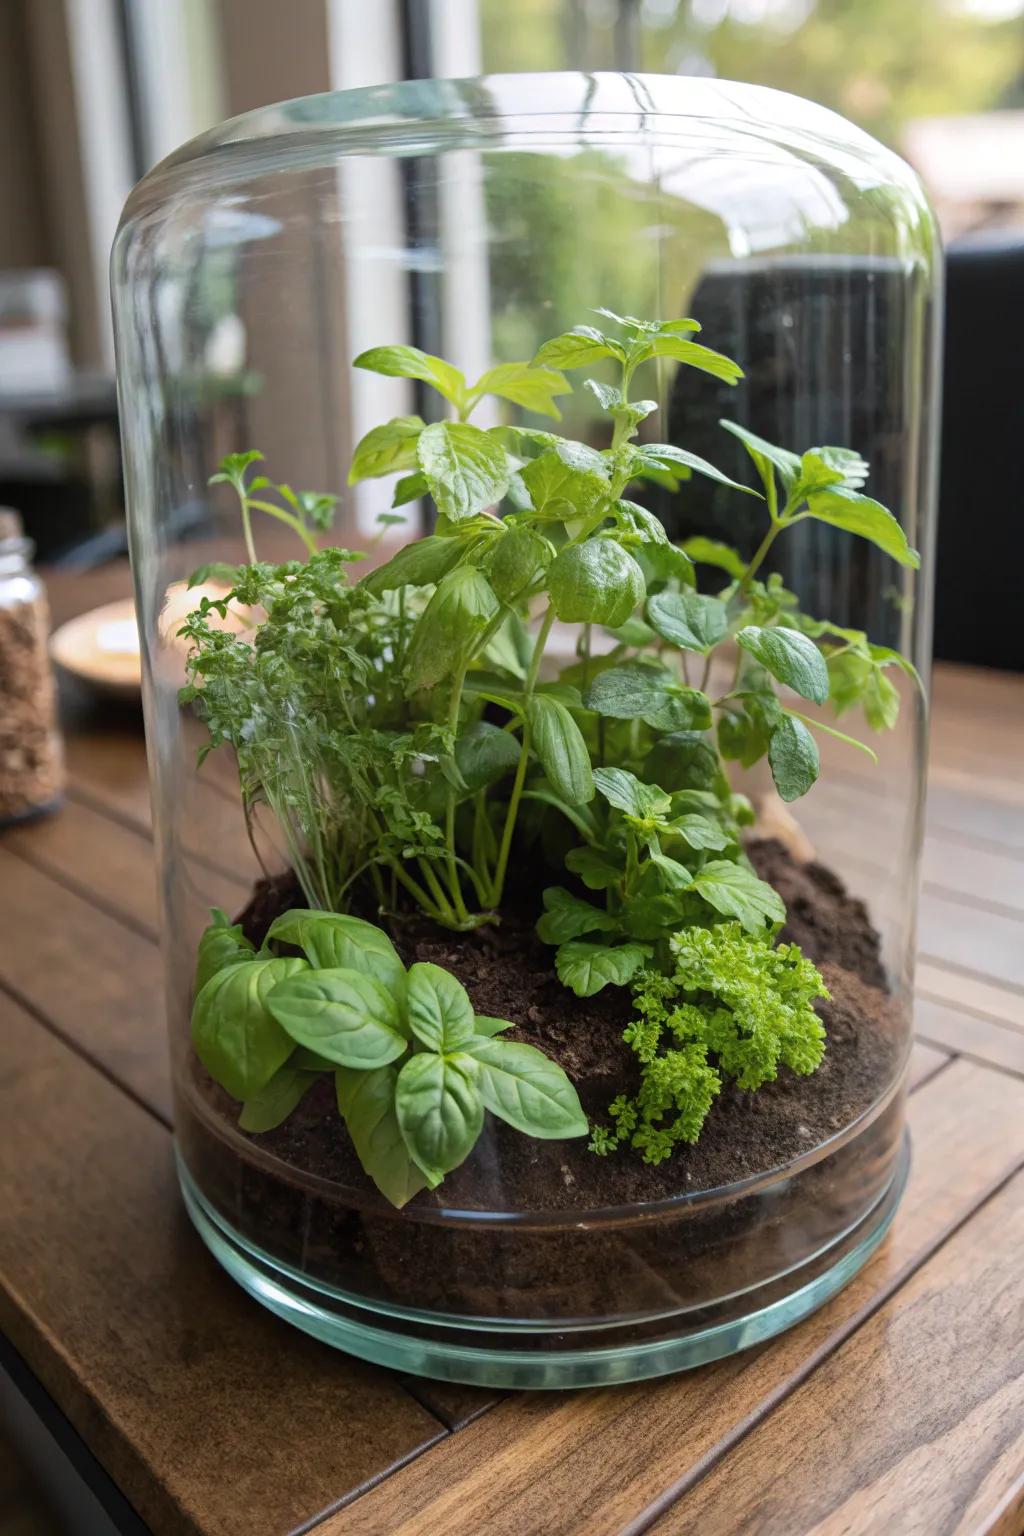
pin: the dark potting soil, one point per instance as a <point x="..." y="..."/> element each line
<point x="310" y="1204"/>
<point x="509" y="974"/>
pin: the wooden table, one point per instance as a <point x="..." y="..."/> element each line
<point x="897" y="1408"/>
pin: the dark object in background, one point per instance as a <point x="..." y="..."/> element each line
<point x="820" y="339"/>
<point x="981" y="491"/>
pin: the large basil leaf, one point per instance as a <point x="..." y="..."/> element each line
<point x="455" y="616"/>
<point x="236" y="1036"/>
<point x="386" y="449"/>
<point x="793" y="757"/>
<point x="410" y="363"/>
<point x="222" y="944"/>
<point x="466" y="470"/>
<point x="532" y="388"/>
<point x="845" y="508"/>
<point x="596" y="582"/>
<point x="366" y="1101"/>
<point x="735" y="891"/>
<point x="440" y="1112"/>
<point x="791" y="657"/>
<point x="521" y="1085"/>
<point x="439" y="1010"/>
<point x="276" y="1099"/>
<point x="342" y="1014"/>
<point x="558" y="743"/>
<point x="562" y="491"/>
<point x="331" y="939"/>
<point x="420" y="564"/>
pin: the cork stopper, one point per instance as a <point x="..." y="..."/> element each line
<point x="11" y="525"/>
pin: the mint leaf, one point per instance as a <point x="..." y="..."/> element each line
<point x="440" y="1112"/>
<point x="688" y="619"/>
<point x="523" y="1087"/>
<point x="466" y="470"/>
<point x="587" y="968"/>
<point x="386" y="449"/>
<point x="411" y="363"/>
<point x="235" y="1034"/>
<point x="793" y="757"/>
<point x="440" y="1013"/>
<point x="330" y="940"/>
<point x="569" y="917"/>
<point x="596" y="582"/>
<point x="366" y="1102"/>
<point x="735" y="891"/>
<point x="558" y="743"/>
<point x="342" y="1014"/>
<point x="790" y="657"/>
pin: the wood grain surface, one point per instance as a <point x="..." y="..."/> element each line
<point x="895" y="1409"/>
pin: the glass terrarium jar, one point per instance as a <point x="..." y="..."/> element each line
<point x="498" y="1063"/>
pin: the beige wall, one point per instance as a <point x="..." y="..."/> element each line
<point x="24" y="234"/>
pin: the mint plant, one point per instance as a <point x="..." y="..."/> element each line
<point x="414" y="732"/>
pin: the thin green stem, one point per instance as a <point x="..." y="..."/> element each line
<point x="505" y="846"/>
<point x="759" y="556"/>
<point x="250" y="547"/>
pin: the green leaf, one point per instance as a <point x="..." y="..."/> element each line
<point x="440" y="1112"/>
<point x="683" y="760"/>
<point x="634" y="519"/>
<point x="276" y="1100"/>
<point x="597" y="869"/>
<point x="484" y="754"/>
<point x="532" y="388"/>
<point x="586" y="968"/>
<point x="665" y="563"/>
<point x="766" y="456"/>
<point x="411" y="363"/>
<point x="386" y="449"/>
<point x="596" y="582"/>
<point x="688" y="620"/>
<point x="677" y="459"/>
<point x="310" y="1061"/>
<point x="522" y="1086"/>
<point x="578" y="348"/>
<point x="744" y="732"/>
<point x="466" y="469"/>
<point x="562" y="491"/>
<point x="790" y="657"/>
<point x="236" y="1037"/>
<point x="850" y="510"/>
<point x="222" y="944"/>
<point x="793" y="756"/>
<point x="559" y="744"/>
<point x="695" y="356"/>
<point x="343" y="1014"/>
<point x="459" y="610"/>
<point x="515" y="561"/>
<point x="331" y="940"/>
<point x="439" y="1010"/>
<point x="366" y="1102"/>
<point x="699" y="832"/>
<point x="569" y="917"/>
<point x="630" y="795"/>
<point x="712" y="552"/>
<point x="735" y="891"/>
<point x="821" y="467"/>
<point x="421" y="564"/>
<point x="485" y="1025"/>
<point x="638" y="690"/>
<point x="581" y="816"/>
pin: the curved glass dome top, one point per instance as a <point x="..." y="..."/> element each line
<point x="744" y="145"/>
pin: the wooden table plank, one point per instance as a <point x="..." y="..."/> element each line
<point x="970" y="1034"/>
<point x="982" y="943"/>
<point x="596" y="1461"/>
<point x="89" y="852"/>
<point x="957" y="990"/>
<point x="210" y="1414"/>
<point x="96" y="982"/>
<point x="847" y="1455"/>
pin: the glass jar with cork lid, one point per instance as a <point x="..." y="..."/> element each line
<point x="31" y="760"/>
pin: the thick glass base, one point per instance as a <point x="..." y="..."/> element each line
<point x="485" y="1352"/>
